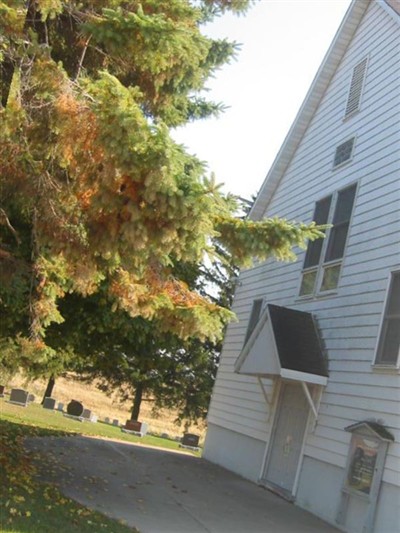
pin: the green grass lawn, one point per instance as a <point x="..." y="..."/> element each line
<point x="29" y="506"/>
<point x="35" y="415"/>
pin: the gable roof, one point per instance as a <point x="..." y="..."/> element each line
<point x="284" y="342"/>
<point x="333" y="57"/>
<point x="376" y="428"/>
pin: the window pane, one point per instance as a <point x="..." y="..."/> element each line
<point x="308" y="283"/>
<point x="389" y="342"/>
<point x="314" y="248"/>
<point x="389" y="352"/>
<point x="343" y="152"/>
<point x="337" y="241"/>
<point x="331" y="278"/>
<point x="254" y="316"/>
<point x="394" y="299"/>
<point x="313" y="253"/>
<point x="344" y="205"/>
<point x="321" y="212"/>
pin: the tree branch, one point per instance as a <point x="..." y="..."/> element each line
<point x="82" y="57"/>
<point x="10" y="226"/>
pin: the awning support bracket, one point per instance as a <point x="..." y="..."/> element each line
<point x="269" y="398"/>
<point x="265" y="393"/>
<point x="310" y="400"/>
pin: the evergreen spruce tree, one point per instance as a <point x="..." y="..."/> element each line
<point x="95" y="192"/>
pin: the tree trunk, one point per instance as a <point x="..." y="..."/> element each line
<point x="137" y="401"/>
<point x="7" y="68"/>
<point x="50" y="386"/>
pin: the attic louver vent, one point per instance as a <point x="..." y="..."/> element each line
<point x="356" y="85"/>
<point x="343" y="152"/>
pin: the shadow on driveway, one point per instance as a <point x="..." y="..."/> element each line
<point x="162" y="491"/>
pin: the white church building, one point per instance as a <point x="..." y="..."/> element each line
<point x="307" y="396"/>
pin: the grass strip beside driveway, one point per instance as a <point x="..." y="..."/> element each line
<point x="29" y="506"/>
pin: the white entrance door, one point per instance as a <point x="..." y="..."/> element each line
<point x="287" y="439"/>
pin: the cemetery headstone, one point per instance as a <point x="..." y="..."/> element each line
<point x="2" y="391"/>
<point x="19" y="397"/>
<point x="115" y="422"/>
<point x="49" y="403"/>
<point x="60" y="406"/>
<point x="75" y="408"/>
<point x="89" y="416"/>
<point x="31" y="398"/>
<point x="87" y="413"/>
<point x="107" y="420"/>
<point x="135" y="427"/>
<point x="189" y="440"/>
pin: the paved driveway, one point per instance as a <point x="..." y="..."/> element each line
<point x="161" y="491"/>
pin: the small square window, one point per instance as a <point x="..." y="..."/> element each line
<point x="343" y="152"/>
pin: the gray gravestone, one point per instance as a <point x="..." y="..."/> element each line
<point x="2" y="391"/>
<point x="190" y="440"/>
<point x="31" y="398"/>
<point x="87" y="413"/>
<point x="75" y="408"/>
<point x="89" y="416"/>
<point x="19" y="397"/>
<point x="107" y="420"/>
<point x="115" y="422"/>
<point x="60" y="406"/>
<point x="49" y="403"/>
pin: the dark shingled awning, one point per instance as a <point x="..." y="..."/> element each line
<point x="284" y="342"/>
<point x="297" y="340"/>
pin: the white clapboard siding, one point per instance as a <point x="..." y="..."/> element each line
<point x="348" y="320"/>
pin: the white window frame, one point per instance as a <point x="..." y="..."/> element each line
<point x="322" y="264"/>
<point x="350" y="159"/>
<point x="378" y="365"/>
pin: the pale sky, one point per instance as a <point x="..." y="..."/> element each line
<point x="283" y="45"/>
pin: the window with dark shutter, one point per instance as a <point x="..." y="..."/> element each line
<point x="341" y="221"/>
<point x="254" y="316"/>
<point x="356" y="87"/>
<point x="389" y="341"/>
<point x="314" y="248"/>
<point x="343" y="152"/>
<point x="321" y="274"/>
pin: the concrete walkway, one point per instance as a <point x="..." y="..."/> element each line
<point x="160" y="491"/>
